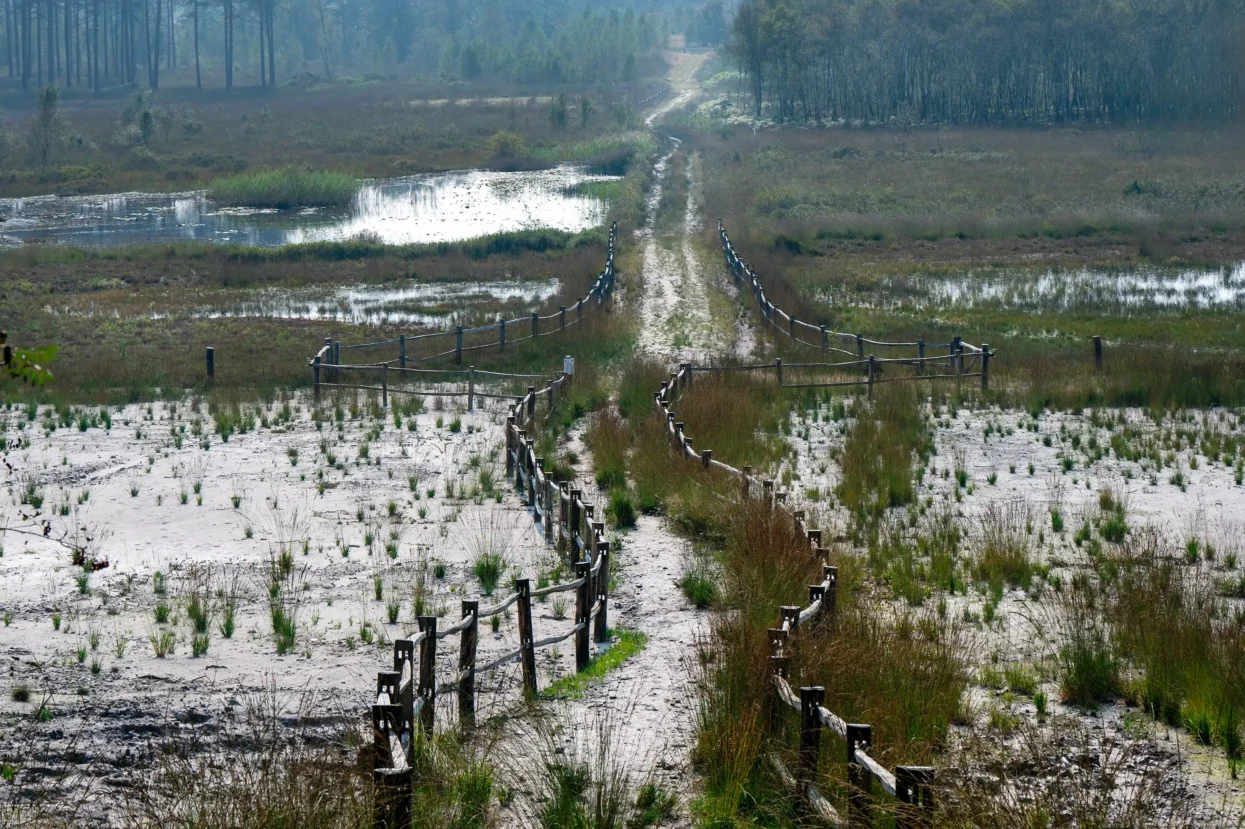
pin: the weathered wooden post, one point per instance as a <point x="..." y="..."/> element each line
<point x="1097" y="352"/>
<point x="832" y="591"/>
<point x="778" y="368"/>
<point x="526" y="639"/>
<point x="789" y="617"/>
<point x="530" y="456"/>
<point x="574" y="520"/>
<point x="510" y="447"/>
<point x="458" y="345"/>
<point x="779" y="662"/>
<point x="467" y="663"/>
<point x="502" y="339"/>
<point x="920" y="357"/>
<point x="583" y="608"/>
<point x="315" y="375"/>
<point x="959" y="355"/>
<point x="531" y="402"/>
<point x="858" y="736"/>
<point x="535" y="325"/>
<point x="768" y="487"/>
<point x="392" y="806"/>
<point x="912" y="788"/>
<point x="810" y="735"/>
<point x="872" y="367"/>
<point x="860" y="347"/>
<point x="471" y="388"/>
<point x="985" y="367"/>
<point x="601" y="629"/>
<point x="791" y="325"/>
<point x="427" y="672"/>
<point x="337" y="353"/>
<point x="211" y="364"/>
<point x="562" y="318"/>
<point x="747" y="481"/>
<point x="579" y="311"/>
<point x="549" y="488"/>
<point x="706" y="457"/>
<point x="401" y="351"/>
<point x="384" y="386"/>
<point x="825" y="339"/>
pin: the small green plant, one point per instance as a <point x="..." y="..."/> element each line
<point x="163" y="643"/>
<point x="1040" y="702"/>
<point x="199" y="645"/>
<point x="162" y="613"/>
<point x="392" y="608"/>
<point x="488" y="568"/>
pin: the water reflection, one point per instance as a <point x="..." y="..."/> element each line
<point x="1091" y="290"/>
<point x="433" y="208"/>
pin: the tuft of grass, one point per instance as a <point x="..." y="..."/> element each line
<point x="285" y="188"/>
<point x="488" y="567"/>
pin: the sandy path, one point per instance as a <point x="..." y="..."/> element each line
<point x="648" y="704"/>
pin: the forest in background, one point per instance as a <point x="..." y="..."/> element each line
<point x="980" y="61"/>
<point x="100" y="45"/>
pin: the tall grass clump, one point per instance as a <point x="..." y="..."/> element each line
<point x="1185" y="642"/>
<point x="1005" y="557"/>
<point x="607" y="437"/>
<point x="285" y="188"/>
<point x="879" y="456"/>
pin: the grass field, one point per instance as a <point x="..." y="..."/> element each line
<point x="367" y="130"/>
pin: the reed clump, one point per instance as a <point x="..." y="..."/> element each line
<point x="285" y="188"/>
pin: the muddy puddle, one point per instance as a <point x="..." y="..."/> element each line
<point x="443" y="207"/>
<point x="417" y="304"/>
<point x="1097" y="290"/>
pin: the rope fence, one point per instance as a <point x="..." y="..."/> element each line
<point x="328" y="362"/>
<point x="960" y="360"/>
<point x="406" y="696"/>
<point x="909" y="785"/>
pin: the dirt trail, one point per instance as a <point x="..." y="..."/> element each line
<point x="685" y="314"/>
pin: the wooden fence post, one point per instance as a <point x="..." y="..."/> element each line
<point x="791" y="326"/>
<point x="959" y="355"/>
<point x="985" y="367"/>
<point x="315" y="375"/>
<point x="392" y="806"/>
<point x="401" y="351"/>
<point x="1097" y="352"/>
<point x="810" y="735"/>
<point x="211" y="364"/>
<point x="825" y="339"/>
<point x="510" y="447"/>
<point x="583" y="608"/>
<point x="384" y="386"/>
<point x="872" y="368"/>
<point x="337" y="354"/>
<point x="831" y="574"/>
<point x="706" y="457"/>
<point x="858" y="736"/>
<point x="579" y="311"/>
<point x="562" y="318"/>
<point x="860" y="347"/>
<point x="920" y="356"/>
<point x="467" y="663"/>
<point x="912" y="788"/>
<point x="458" y="345"/>
<point x="548" y="503"/>
<point x="778" y="368"/>
<point x="526" y="638"/>
<point x="601" y="629"/>
<point x="535" y="325"/>
<point x="502" y="339"/>
<point x="471" y="388"/>
<point x="428" y="673"/>
<point x="531" y="402"/>
<point x="747" y="481"/>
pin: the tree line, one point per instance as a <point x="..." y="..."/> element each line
<point x="98" y="44"/>
<point x="984" y="61"/>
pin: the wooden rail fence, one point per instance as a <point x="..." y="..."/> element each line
<point x="909" y="785"/>
<point x="406" y="696"/>
<point x="961" y="360"/>
<point x="328" y="369"/>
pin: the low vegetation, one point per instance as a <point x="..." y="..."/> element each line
<point x="285" y="188"/>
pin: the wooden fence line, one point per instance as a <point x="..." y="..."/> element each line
<point x="909" y="785"/>
<point x="406" y="696"/>
<point x="960" y="355"/>
<point x="329" y="357"/>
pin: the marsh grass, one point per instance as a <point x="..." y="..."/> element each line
<point x="285" y="188"/>
<point x="885" y="444"/>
